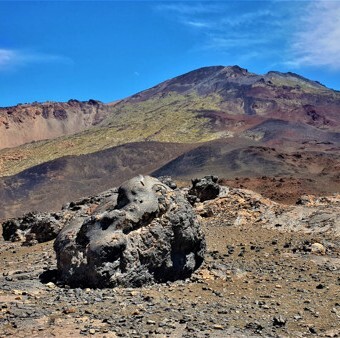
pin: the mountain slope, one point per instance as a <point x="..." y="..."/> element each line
<point x="203" y="105"/>
<point x="26" y="123"/>
<point x="49" y="185"/>
<point x="229" y="161"/>
<point x="232" y="91"/>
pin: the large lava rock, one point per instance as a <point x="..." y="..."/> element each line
<point x="150" y="234"/>
<point x="204" y="189"/>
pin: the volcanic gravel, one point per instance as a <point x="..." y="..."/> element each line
<point x="254" y="282"/>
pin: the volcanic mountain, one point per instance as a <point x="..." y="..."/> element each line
<point x="225" y="120"/>
<point x="205" y="104"/>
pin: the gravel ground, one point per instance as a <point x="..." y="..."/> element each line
<point x="254" y="282"/>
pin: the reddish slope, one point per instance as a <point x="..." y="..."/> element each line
<point x="25" y="123"/>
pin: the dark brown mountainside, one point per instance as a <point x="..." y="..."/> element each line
<point x="240" y="162"/>
<point x="51" y="184"/>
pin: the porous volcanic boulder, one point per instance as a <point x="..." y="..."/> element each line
<point x="150" y="234"/>
<point x="32" y="228"/>
<point x="203" y="189"/>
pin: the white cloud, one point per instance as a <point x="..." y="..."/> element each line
<point x="223" y="20"/>
<point x="6" y="57"/>
<point x="317" y="40"/>
<point x="264" y="16"/>
<point x="224" y="25"/>
<point x="190" y="8"/>
<point x="11" y="58"/>
<point x="216" y="42"/>
<point x="197" y="24"/>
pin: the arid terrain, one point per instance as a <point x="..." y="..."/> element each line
<point x="259" y="278"/>
<point x="271" y="266"/>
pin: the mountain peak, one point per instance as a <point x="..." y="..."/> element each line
<point x="293" y="77"/>
<point x="201" y="74"/>
<point x="223" y="79"/>
<point x="235" y="70"/>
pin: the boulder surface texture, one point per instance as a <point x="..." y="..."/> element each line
<point x="204" y="189"/>
<point x="149" y="234"/>
<point x="32" y="228"/>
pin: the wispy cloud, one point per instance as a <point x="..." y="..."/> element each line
<point x="190" y="8"/>
<point x="198" y="24"/>
<point x="291" y="34"/>
<point x="265" y="16"/>
<point x="317" y="40"/>
<point x="228" y="25"/>
<point x="216" y="42"/>
<point x="6" y="57"/>
<point x="222" y="21"/>
<point x="12" y="58"/>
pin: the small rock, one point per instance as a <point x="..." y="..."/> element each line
<point x="318" y="249"/>
<point x="279" y="321"/>
<point x="312" y="330"/>
<point x="255" y="327"/>
<point x="50" y="285"/>
<point x="69" y="310"/>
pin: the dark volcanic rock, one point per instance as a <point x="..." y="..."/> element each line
<point x="167" y="180"/>
<point x="150" y="234"/>
<point x="36" y="227"/>
<point x="32" y="227"/>
<point x="204" y="189"/>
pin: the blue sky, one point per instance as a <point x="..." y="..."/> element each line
<point x="107" y="50"/>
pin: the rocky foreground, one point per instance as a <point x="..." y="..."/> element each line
<point x="270" y="270"/>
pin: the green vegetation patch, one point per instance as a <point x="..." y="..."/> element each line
<point x="172" y="118"/>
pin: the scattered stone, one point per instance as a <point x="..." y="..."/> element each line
<point x="50" y="285"/>
<point x="279" y="321"/>
<point x="312" y="330"/>
<point x="255" y="327"/>
<point x="318" y="249"/>
<point x="320" y="286"/>
<point x="191" y="305"/>
<point x="69" y="310"/>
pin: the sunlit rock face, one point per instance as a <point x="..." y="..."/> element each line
<point x="148" y="234"/>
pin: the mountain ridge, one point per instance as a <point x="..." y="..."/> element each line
<point x="26" y="123"/>
<point x="231" y="89"/>
<point x="227" y="109"/>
